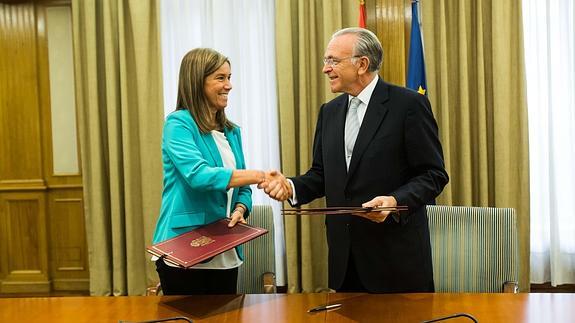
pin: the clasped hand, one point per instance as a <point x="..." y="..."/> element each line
<point x="276" y="186"/>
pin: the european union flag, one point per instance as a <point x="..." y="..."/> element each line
<point x="416" y="66"/>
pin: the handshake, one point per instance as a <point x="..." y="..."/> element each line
<point x="276" y="185"/>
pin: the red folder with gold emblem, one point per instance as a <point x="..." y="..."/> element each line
<point x="205" y="242"/>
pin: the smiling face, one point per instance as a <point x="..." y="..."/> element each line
<point x="217" y="86"/>
<point x="343" y="74"/>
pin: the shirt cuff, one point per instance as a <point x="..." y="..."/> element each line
<point x="293" y="199"/>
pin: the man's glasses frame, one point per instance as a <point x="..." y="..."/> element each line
<point x="333" y="61"/>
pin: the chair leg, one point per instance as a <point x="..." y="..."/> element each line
<point x="269" y="280"/>
<point x="510" y="287"/>
<point x="154" y="290"/>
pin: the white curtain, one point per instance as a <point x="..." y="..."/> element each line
<point x="242" y="30"/>
<point x="550" y="68"/>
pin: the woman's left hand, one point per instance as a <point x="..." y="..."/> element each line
<point x="237" y="216"/>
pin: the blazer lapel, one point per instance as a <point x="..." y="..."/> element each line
<point x="213" y="149"/>
<point x="374" y="115"/>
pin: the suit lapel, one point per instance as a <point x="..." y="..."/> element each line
<point x="338" y="123"/>
<point x="374" y="115"/>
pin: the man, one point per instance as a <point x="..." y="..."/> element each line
<point x="396" y="159"/>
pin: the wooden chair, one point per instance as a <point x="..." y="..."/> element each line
<point x="474" y="249"/>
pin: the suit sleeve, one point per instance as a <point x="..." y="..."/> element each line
<point x="424" y="156"/>
<point x="180" y="145"/>
<point x="311" y="185"/>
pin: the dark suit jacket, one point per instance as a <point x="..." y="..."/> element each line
<point x="397" y="153"/>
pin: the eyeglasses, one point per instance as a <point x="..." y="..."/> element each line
<point x="332" y="61"/>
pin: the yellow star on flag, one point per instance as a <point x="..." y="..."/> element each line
<point x="421" y="90"/>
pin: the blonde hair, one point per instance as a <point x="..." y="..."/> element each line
<point x="196" y="65"/>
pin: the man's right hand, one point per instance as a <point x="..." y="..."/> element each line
<point x="276" y="186"/>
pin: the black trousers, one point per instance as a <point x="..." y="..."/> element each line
<point x="352" y="283"/>
<point x="179" y="281"/>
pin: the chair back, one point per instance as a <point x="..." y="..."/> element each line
<point x="474" y="249"/>
<point x="259" y="254"/>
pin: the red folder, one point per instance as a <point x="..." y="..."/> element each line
<point x="205" y="242"/>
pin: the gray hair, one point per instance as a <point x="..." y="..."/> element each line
<point x="367" y="44"/>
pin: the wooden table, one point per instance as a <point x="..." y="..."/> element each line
<point x="293" y="308"/>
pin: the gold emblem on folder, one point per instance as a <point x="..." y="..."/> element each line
<point x="201" y="241"/>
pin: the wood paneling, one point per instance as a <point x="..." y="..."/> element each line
<point x="42" y="231"/>
<point x="20" y="131"/>
<point x="52" y="180"/>
<point x="68" y="255"/>
<point x="24" y="244"/>
<point x="390" y="20"/>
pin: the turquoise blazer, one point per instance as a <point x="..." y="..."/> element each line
<point x="195" y="180"/>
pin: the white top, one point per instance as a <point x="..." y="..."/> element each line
<point x="228" y="259"/>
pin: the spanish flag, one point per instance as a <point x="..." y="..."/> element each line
<point x="362" y="15"/>
<point x="416" y="66"/>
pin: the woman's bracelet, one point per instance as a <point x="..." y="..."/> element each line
<point x="240" y="206"/>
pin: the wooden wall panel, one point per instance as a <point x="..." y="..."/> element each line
<point x="20" y="146"/>
<point x="68" y="254"/>
<point x="24" y="242"/>
<point x="52" y="180"/>
<point x="390" y="20"/>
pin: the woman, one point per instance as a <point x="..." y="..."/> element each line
<point x="204" y="175"/>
